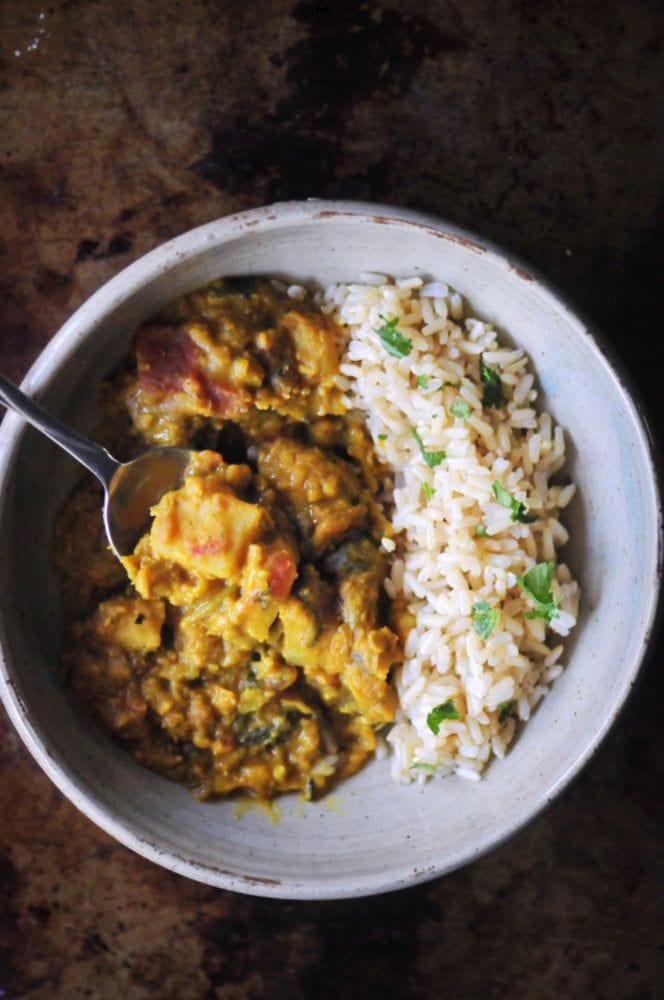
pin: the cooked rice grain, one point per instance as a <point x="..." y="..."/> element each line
<point x="440" y="564"/>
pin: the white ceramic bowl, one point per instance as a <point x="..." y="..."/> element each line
<point x="373" y="835"/>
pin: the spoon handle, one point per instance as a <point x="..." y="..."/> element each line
<point x="92" y="456"/>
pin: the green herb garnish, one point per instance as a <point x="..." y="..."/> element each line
<point x="394" y="342"/>
<point x="432" y="458"/>
<point x="460" y="408"/>
<point x="536" y="585"/>
<point x="493" y="387"/>
<point x="428" y="491"/>
<point x="419" y="765"/>
<point x="506" y="709"/>
<point x="484" y="619"/>
<point x="441" y="712"/>
<point x="481" y="531"/>
<point x="423" y="382"/>
<point x="517" y="508"/>
<point x="382" y="437"/>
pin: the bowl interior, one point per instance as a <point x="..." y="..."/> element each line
<point x="371" y="834"/>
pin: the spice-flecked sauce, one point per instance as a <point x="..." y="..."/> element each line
<point x="247" y="643"/>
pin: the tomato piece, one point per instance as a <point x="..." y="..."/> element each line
<point x="281" y="573"/>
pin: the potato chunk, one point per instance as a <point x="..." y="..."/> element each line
<point x="203" y="529"/>
<point x="130" y="622"/>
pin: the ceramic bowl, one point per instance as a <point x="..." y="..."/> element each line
<point x="371" y="835"/>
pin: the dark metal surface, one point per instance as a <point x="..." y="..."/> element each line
<point x="535" y="124"/>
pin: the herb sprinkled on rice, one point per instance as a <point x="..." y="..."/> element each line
<point x="452" y="413"/>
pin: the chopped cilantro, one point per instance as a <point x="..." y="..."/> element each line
<point x="481" y="531"/>
<point x="419" y="765"/>
<point x="536" y="585"/>
<point x="394" y="342"/>
<point x="423" y="382"/>
<point x="441" y="712"/>
<point x="460" y="408"/>
<point x="506" y="709"/>
<point x="382" y="437"/>
<point x="484" y="619"/>
<point x="432" y="458"/>
<point x="517" y="508"/>
<point x="428" y="491"/>
<point x="493" y="387"/>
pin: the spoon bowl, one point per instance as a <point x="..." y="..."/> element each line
<point x="134" y="488"/>
<point x="130" y="488"/>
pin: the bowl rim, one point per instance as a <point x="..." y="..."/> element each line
<point x="81" y="325"/>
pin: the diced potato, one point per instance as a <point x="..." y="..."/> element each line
<point x="130" y="622"/>
<point x="204" y="528"/>
<point x="301" y="630"/>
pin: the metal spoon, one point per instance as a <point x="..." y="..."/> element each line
<point x="130" y="488"/>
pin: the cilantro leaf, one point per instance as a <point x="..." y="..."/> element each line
<point x="423" y="382"/>
<point x="493" y="387"/>
<point x="517" y="508"/>
<point x="484" y="619"/>
<point x="428" y="491"/>
<point x="394" y="342"/>
<point x="419" y="765"/>
<point x="441" y="712"/>
<point x="382" y="437"/>
<point x="536" y="585"/>
<point x="460" y="408"/>
<point x="501" y="495"/>
<point x="432" y="458"/>
<point x="481" y="531"/>
<point x="506" y="709"/>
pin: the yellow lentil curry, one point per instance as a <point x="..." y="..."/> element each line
<point x="247" y="642"/>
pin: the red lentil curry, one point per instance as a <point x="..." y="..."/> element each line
<point x="247" y="643"/>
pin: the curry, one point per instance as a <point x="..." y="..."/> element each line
<point x="247" y="643"/>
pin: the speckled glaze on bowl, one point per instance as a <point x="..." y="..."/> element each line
<point x="373" y="835"/>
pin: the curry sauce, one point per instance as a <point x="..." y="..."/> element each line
<point x="247" y="643"/>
